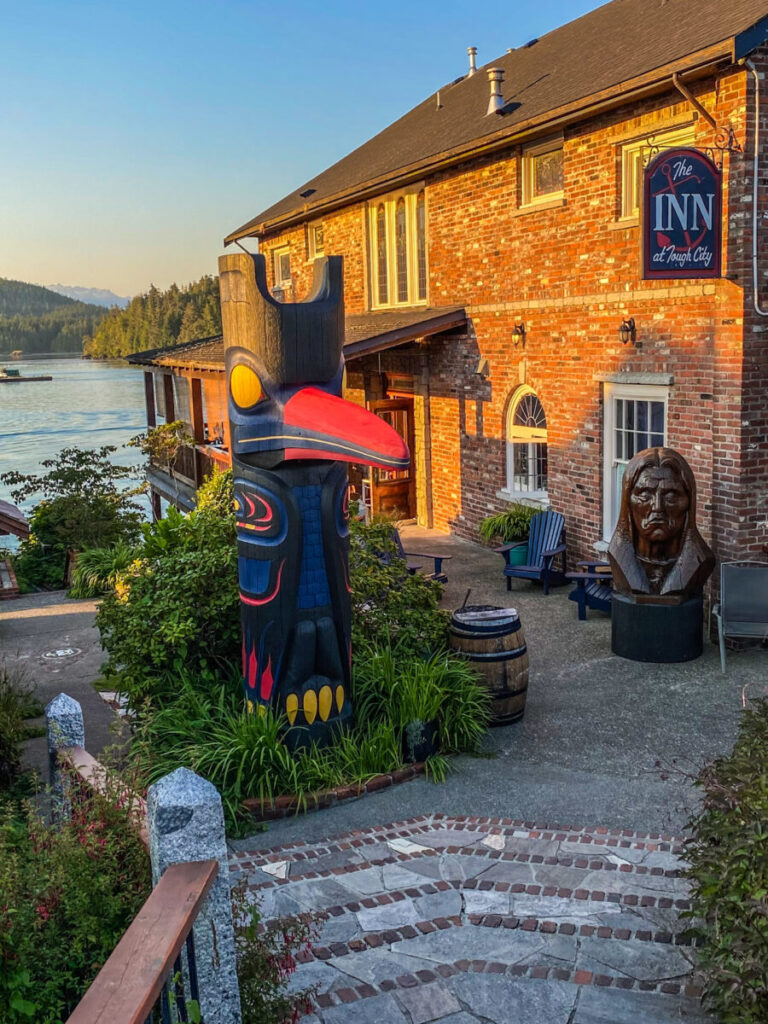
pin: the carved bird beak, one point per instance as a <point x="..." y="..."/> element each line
<point x="323" y="426"/>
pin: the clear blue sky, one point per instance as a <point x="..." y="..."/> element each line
<point x="135" y="135"/>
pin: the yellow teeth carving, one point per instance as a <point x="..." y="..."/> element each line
<point x="325" y="701"/>
<point x="339" y="698"/>
<point x="249" y="705"/>
<point x="310" y="706"/>
<point x="291" y="707"/>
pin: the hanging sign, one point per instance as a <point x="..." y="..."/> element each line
<point x="682" y="222"/>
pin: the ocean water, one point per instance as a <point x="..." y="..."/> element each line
<point x="86" y="405"/>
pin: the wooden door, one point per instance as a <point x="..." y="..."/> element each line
<point x="394" y="491"/>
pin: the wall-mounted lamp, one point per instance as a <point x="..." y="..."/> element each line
<point x="627" y="331"/>
<point x="518" y="333"/>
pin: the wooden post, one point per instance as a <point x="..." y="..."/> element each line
<point x="196" y="402"/>
<point x="170" y="405"/>
<point x="149" y="398"/>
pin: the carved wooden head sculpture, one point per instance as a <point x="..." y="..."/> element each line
<point x="292" y="434"/>
<point x="656" y="551"/>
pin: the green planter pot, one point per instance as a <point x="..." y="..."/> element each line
<point x="519" y="556"/>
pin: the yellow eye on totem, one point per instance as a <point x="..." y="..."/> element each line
<point x="245" y="386"/>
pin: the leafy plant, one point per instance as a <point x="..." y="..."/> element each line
<point x="266" y="958"/>
<point x="68" y="894"/>
<point x="83" y="505"/>
<point x="163" y="443"/>
<point x="728" y="858"/>
<point x="176" y="606"/>
<point x="97" y="569"/>
<point x="388" y="602"/>
<point x="17" y="703"/>
<point x="513" y="524"/>
<point x="390" y="683"/>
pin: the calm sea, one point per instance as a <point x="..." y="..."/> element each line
<point x="86" y="405"/>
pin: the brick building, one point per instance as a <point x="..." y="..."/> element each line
<point x="491" y="239"/>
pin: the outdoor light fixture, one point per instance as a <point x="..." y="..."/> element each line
<point x="519" y="330"/>
<point x="627" y="330"/>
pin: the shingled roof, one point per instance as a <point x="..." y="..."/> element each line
<point x="365" y="333"/>
<point x="609" y="54"/>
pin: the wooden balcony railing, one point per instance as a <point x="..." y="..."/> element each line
<point x="147" y="962"/>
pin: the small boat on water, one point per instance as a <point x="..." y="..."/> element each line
<point x="9" y="375"/>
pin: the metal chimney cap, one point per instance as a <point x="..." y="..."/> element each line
<point x="472" y="51"/>
<point x="496" y="101"/>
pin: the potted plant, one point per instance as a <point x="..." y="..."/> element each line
<point x="511" y="526"/>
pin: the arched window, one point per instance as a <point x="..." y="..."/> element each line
<point x="381" y="254"/>
<point x="402" y="251"/>
<point x="527" y="445"/>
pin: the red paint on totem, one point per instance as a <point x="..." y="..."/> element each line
<point x="257" y="601"/>
<point x="252" y="667"/>
<point x="267" y="681"/>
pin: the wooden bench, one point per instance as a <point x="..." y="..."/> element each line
<point x="8" y="585"/>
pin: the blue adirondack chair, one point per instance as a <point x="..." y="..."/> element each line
<point x="593" y="587"/>
<point x="545" y="542"/>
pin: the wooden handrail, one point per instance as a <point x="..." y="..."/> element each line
<point x="130" y="982"/>
<point x="93" y="774"/>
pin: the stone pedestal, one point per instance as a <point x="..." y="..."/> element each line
<point x="659" y="633"/>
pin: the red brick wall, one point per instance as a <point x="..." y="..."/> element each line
<point x="571" y="273"/>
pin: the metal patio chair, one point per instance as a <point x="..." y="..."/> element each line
<point x="742" y="610"/>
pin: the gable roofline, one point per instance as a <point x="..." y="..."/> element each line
<point x="693" y="66"/>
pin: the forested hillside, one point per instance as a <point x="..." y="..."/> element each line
<point x="17" y="298"/>
<point x="35" y="319"/>
<point x="159" y="319"/>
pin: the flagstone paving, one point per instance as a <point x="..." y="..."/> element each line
<point x="466" y="919"/>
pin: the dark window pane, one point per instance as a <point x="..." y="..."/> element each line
<point x="642" y="415"/>
<point x="421" y="243"/>
<point x="401" y="248"/>
<point x="657" y="417"/>
<point x="381" y="254"/>
<point x="548" y="173"/>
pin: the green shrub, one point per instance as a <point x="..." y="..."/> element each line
<point x="97" y="569"/>
<point x="729" y="873"/>
<point x="82" y="506"/>
<point x="17" y="703"/>
<point x="176" y="606"/>
<point x="387" y="602"/>
<point x="68" y="894"/>
<point x="513" y="524"/>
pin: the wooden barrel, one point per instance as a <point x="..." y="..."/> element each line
<point x="493" y="641"/>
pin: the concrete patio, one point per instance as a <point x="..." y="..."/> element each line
<point x="594" y="728"/>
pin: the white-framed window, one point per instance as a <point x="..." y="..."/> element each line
<point x="542" y="172"/>
<point x="281" y="262"/>
<point x="397" y="229"/>
<point x="315" y="241"/>
<point x="635" y="154"/>
<point x="634" y="418"/>
<point x="526" y="446"/>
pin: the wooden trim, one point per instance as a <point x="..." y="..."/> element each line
<point x="170" y="405"/>
<point x="196" y="403"/>
<point x="149" y="398"/>
<point x="130" y="982"/>
<point x="700" y="64"/>
<point x="93" y="774"/>
<point x="401" y="335"/>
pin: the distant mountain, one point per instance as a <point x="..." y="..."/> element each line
<point x="17" y="298"/>
<point x="97" y="296"/>
<point x="36" y="319"/>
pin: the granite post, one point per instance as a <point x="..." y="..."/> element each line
<point x="186" y="824"/>
<point x="64" y="722"/>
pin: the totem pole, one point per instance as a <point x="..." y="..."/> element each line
<point x="292" y="435"/>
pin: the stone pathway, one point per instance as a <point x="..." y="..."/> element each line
<point x="485" y="919"/>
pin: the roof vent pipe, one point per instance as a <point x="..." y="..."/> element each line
<point x="472" y="51"/>
<point x="496" y="102"/>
